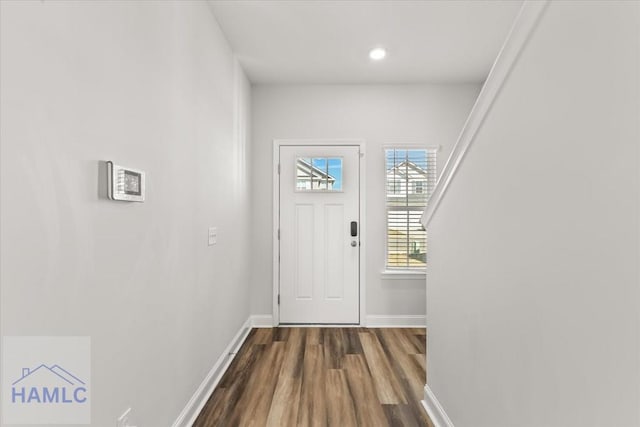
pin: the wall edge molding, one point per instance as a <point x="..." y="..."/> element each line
<point x="524" y="25"/>
<point x="436" y="412"/>
<point x="199" y="398"/>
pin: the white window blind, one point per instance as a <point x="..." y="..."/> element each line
<point x="411" y="177"/>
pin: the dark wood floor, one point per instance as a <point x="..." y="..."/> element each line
<point x="323" y="377"/>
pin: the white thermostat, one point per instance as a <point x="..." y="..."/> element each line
<point x="125" y="184"/>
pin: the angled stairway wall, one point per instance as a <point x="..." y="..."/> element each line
<point x="532" y="286"/>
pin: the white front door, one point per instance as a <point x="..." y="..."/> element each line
<point x="319" y="234"/>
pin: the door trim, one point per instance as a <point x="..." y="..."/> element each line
<point x="277" y="143"/>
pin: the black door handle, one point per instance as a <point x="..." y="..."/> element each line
<point x="354" y="228"/>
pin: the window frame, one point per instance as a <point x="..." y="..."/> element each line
<point x="406" y="272"/>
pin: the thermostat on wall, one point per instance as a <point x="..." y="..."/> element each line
<point x="125" y="184"/>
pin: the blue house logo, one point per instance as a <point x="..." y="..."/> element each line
<point x="48" y="385"/>
<point x="45" y="380"/>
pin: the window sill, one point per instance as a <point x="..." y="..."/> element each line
<point x="403" y="275"/>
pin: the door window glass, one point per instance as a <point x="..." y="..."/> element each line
<point x="319" y="174"/>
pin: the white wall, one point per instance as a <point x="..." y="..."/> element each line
<point x="533" y="297"/>
<point x="150" y="85"/>
<point x="429" y="114"/>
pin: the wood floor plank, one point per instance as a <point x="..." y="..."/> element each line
<point x="285" y="404"/>
<point x="401" y="415"/>
<point x="314" y="335"/>
<point x="421" y="359"/>
<point x="409" y="373"/>
<point x="352" y="345"/>
<point x="313" y="407"/>
<point x="286" y="398"/>
<point x="334" y="347"/>
<point x="262" y="336"/>
<point x="260" y="388"/>
<point x="406" y="340"/>
<point x="214" y="410"/>
<point x="225" y="400"/>
<point x="386" y="384"/>
<point x="294" y="353"/>
<point x="368" y="409"/>
<point x="242" y="364"/>
<point x="340" y="406"/>
<point x="281" y="334"/>
<point x="420" y="341"/>
<point x="404" y="365"/>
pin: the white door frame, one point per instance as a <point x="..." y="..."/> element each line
<point x="277" y="143"/>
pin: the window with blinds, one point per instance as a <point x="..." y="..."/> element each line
<point x="411" y="177"/>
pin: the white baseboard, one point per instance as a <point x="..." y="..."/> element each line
<point x="436" y="412"/>
<point x="372" y="321"/>
<point x="261" y="321"/>
<point x="191" y="411"/>
<point x="407" y="321"/>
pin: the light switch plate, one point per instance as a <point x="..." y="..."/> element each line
<point x="213" y="235"/>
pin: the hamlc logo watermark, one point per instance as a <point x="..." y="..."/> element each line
<point x="46" y="380"/>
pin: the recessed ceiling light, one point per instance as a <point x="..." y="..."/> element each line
<point x="377" y="53"/>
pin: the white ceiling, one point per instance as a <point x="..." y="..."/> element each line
<point x="327" y="41"/>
